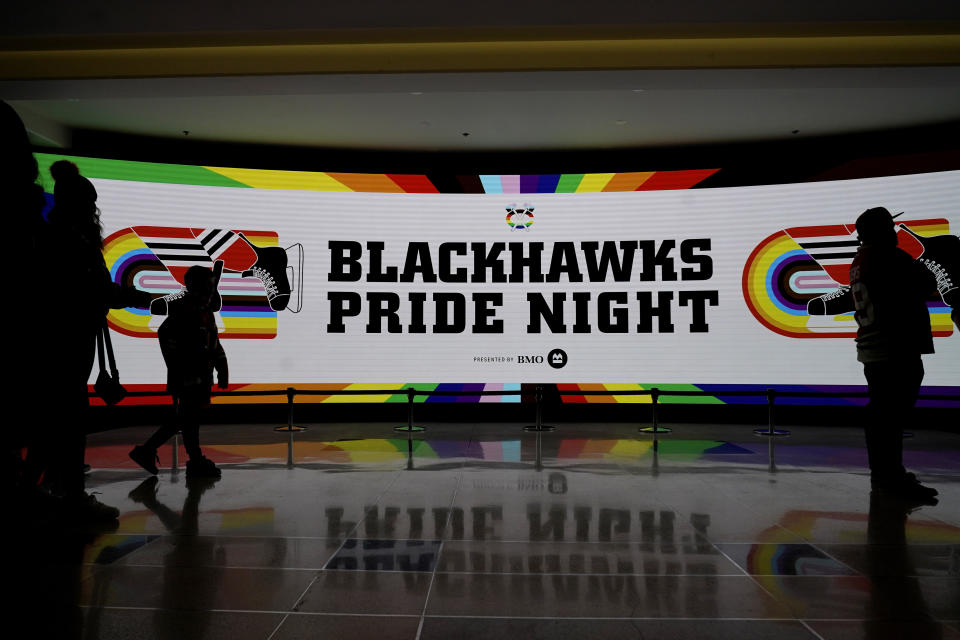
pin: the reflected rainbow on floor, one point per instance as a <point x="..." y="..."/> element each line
<point x="378" y="450"/>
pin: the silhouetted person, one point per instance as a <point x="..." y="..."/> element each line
<point x="75" y="243"/>
<point x="23" y="202"/>
<point x="890" y="290"/>
<point x="191" y="351"/>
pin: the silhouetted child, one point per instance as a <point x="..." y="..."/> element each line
<point x="191" y="351"/>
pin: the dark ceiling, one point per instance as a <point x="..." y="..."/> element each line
<point x="503" y="77"/>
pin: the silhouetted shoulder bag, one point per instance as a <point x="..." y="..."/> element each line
<point x="108" y="385"/>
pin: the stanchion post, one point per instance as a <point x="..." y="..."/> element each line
<point x="771" y="456"/>
<point x="290" y="394"/>
<point x="538" y="400"/>
<point x="770" y="431"/>
<point x="175" y="461"/>
<point x="290" y="449"/>
<point x="655" y="396"/>
<point x="175" y="457"/>
<point x="409" y="427"/>
<point x="655" y="414"/>
<point x="538" y="425"/>
<point x="655" y="469"/>
<point x="538" y="461"/>
<point x="289" y="427"/>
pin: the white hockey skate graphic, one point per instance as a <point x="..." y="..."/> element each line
<point x="280" y="271"/>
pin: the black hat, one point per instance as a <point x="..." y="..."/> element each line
<point x="874" y="224"/>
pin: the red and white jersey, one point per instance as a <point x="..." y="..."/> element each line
<point x="890" y="290"/>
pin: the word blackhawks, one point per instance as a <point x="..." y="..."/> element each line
<point x="550" y="282"/>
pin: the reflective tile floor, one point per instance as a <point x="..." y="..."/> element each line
<point x="487" y="531"/>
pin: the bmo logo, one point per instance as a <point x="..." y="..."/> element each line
<point x="556" y="359"/>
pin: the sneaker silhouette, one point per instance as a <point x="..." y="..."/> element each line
<point x="161" y="306"/>
<point x="164" y="305"/>
<point x="906" y="494"/>
<point x="907" y="482"/>
<point x="906" y="487"/>
<point x="273" y="270"/>
<point x="833" y="303"/>
<point x="146" y="458"/>
<point x="941" y="257"/>
<point x="202" y="468"/>
<point x="84" y="507"/>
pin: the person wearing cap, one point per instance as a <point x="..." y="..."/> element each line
<point x="890" y="290"/>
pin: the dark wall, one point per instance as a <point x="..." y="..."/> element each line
<point x="90" y="17"/>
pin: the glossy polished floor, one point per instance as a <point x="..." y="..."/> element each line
<point x="486" y="531"/>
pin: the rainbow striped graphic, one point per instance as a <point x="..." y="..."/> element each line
<point x="569" y="393"/>
<point x="392" y="392"/>
<point x="375" y="182"/>
<point x="246" y="312"/>
<point x="593" y="182"/>
<point x="780" y="276"/>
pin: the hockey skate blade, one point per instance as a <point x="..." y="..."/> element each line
<point x="295" y="275"/>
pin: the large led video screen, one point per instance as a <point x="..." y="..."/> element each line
<point x="588" y="281"/>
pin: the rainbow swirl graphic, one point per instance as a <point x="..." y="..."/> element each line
<point x="245" y="313"/>
<point x="780" y="277"/>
